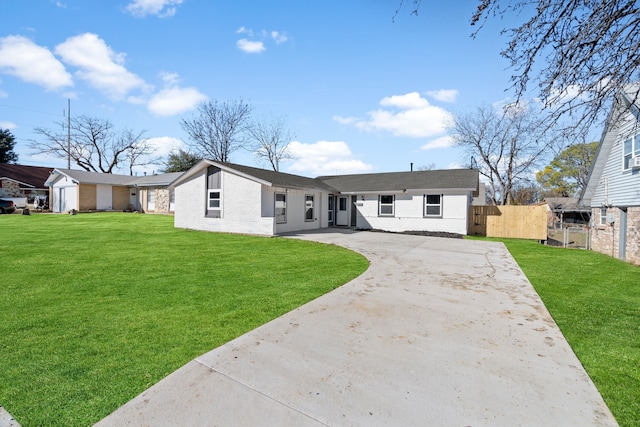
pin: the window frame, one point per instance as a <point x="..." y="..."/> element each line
<point x="426" y="205"/>
<point x="214" y="178"/>
<point x="603" y="216"/>
<point x="382" y="205"/>
<point x="627" y="156"/>
<point x="209" y="199"/>
<point x="275" y="208"/>
<point x="309" y="205"/>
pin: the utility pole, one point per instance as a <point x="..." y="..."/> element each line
<point x="68" y="133"/>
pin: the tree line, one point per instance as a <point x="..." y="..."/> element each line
<point x="576" y="55"/>
<point x="217" y="131"/>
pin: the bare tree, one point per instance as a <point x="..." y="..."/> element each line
<point x="94" y="144"/>
<point x="272" y="139"/>
<point x="575" y="55"/>
<point x="428" y="167"/>
<point x="505" y="143"/>
<point x="219" y="129"/>
<point x="139" y="151"/>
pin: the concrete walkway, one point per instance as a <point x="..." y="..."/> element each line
<point x="437" y="332"/>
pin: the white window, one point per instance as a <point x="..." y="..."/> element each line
<point x="433" y="205"/>
<point x="386" y="205"/>
<point x="603" y="216"/>
<point x="630" y="149"/>
<point x="214" y="192"/>
<point x="214" y="199"/>
<point x="281" y="208"/>
<point x="308" y="207"/>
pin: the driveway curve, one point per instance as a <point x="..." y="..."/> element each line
<point x="437" y="332"/>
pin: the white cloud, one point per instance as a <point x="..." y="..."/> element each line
<point x="22" y="58"/>
<point x="7" y="125"/>
<point x="175" y="100"/>
<point x="160" y="8"/>
<point x="345" y="120"/>
<point x="325" y="158"/>
<point x="279" y="37"/>
<point x="410" y="101"/>
<point x="99" y="65"/>
<point x="442" y="142"/>
<point x="444" y="95"/>
<point x="408" y="115"/>
<point x="170" y="78"/>
<point x="165" y="145"/>
<point x="249" y="46"/>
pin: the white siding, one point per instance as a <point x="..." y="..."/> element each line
<point x="409" y="214"/>
<point x="248" y="207"/>
<point x="64" y="195"/>
<point x="618" y="187"/>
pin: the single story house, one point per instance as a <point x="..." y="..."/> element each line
<point x="92" y="191"/>
<point x="22" y="183"/>
<point x="613" y="187"/>
<point x="226" y="197"/>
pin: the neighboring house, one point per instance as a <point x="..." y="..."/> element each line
<point x="613" y="188"/>
<point x="23" y="182"/>
<point x="92" y="191"/>
<point x="566" y="212"/>
<point x="225" y="197"/>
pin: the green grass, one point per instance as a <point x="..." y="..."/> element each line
<point x="595" y="300"/>
<point x="96" y="308"/>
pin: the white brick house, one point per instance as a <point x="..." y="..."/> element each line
<point x="216" y="196"/>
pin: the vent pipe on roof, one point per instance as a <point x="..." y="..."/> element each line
<point x="411" y="166"/>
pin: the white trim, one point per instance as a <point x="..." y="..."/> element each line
<point x="392" y="204"/>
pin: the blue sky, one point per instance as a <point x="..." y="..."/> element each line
<point x="361" y="92"/>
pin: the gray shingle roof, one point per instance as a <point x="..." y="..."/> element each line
<point x="453" y="179"/>
<point x="281" y="179"/>
<point x="155" y="180"/>
<point x="85" y="177"/>
<point x="397" y="181"/>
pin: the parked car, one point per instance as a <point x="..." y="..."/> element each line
<point x="7" y="206"/>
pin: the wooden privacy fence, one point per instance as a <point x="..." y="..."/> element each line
<point x="519" y="222"/>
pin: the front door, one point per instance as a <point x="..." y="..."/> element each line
<point x="151" y="199"/>
<point x="342" y="214"/>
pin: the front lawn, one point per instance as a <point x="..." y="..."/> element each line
<point x="95" y="308"/>
<point x="595" y="300"/>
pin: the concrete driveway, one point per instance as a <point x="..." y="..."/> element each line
<point x="437" y="332"/>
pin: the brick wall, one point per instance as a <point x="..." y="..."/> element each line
<point x="10" y="189"/>
<point x="605" y="238"/>
<point x="87" y="198"/>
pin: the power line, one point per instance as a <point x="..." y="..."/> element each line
<point x="30" y="110"/>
